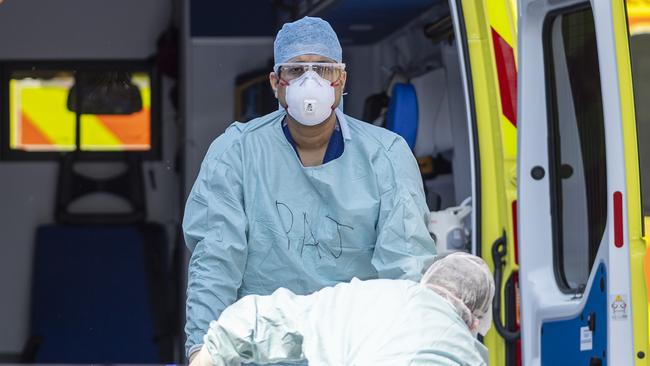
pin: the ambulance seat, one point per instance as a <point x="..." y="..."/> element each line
<point x="91" y="299"/>
<point x="402" y="116"/>
<point x="100" y="286"/>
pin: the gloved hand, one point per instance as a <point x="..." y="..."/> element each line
<point x="202" y="358"/>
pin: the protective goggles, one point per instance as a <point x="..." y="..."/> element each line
<point x="293" y="70"/>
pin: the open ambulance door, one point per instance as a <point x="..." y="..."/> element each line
<point x="486" y="37"/>
<point x="584" y="299"/>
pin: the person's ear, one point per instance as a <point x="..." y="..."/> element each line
<point x="344" y="78"/>
<point x="273" y="80"/>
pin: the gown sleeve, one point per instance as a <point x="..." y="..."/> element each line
<point x="215" y="230"/>
<point x="404" y="247"/>
<point x="261" y="329"/>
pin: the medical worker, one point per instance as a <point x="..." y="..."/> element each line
<point x="304" y="197"/>
<point x="376" y="322"/>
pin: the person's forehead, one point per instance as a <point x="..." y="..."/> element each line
<point x="311" y="58"/>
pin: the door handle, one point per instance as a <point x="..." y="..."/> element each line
<point x="591" y="321"/>
<point x="499" y="250"/>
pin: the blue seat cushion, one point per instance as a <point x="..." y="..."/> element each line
<point x="402" y="115"/>
<point x="90" y="298"/>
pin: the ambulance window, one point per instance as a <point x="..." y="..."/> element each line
<point x="577" y="146"/>
<point x="93" y="109"/>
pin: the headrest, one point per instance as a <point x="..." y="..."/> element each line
<point x="124" y="186"/>
<point x="403" y="113"/>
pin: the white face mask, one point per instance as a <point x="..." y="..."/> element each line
<point x="310" y="99"/>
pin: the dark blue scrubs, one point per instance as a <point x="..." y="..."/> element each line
<point x="334" y="148"/>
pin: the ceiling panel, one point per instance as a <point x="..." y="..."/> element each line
<point x="355" y="21"/>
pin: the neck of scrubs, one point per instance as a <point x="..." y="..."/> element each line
<point x="333" y="138"/>
<point x="340" y="116"/>
<point x="334" y="150"/>
<point x="311" y="138"/>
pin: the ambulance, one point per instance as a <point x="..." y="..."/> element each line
<point x="581" y="164"/>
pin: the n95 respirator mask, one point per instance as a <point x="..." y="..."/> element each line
<point x="310" y="99"/>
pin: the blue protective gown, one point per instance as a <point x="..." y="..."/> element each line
<point x="257" y="219"/>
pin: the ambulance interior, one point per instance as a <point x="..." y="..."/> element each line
<point x="107" y="110"/>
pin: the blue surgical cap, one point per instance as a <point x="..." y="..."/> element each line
<point x="307" y="36"/>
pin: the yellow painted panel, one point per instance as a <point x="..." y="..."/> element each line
<point x="638" y="14"/>
<point x="44" y="103"/>
<point x="95" y="136"/>
<point x="45" y="106"/>
<point x="646" y="261"/>
<point x="497" y="166"/>
<point x="502" y="16"/>
<point x="143" y="82"/>
<point x="146" y="97"/>
<point x="509" y="133"/>
<point x="634" y="213"/>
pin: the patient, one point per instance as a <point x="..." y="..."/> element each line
<point x="375" y="322"/>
